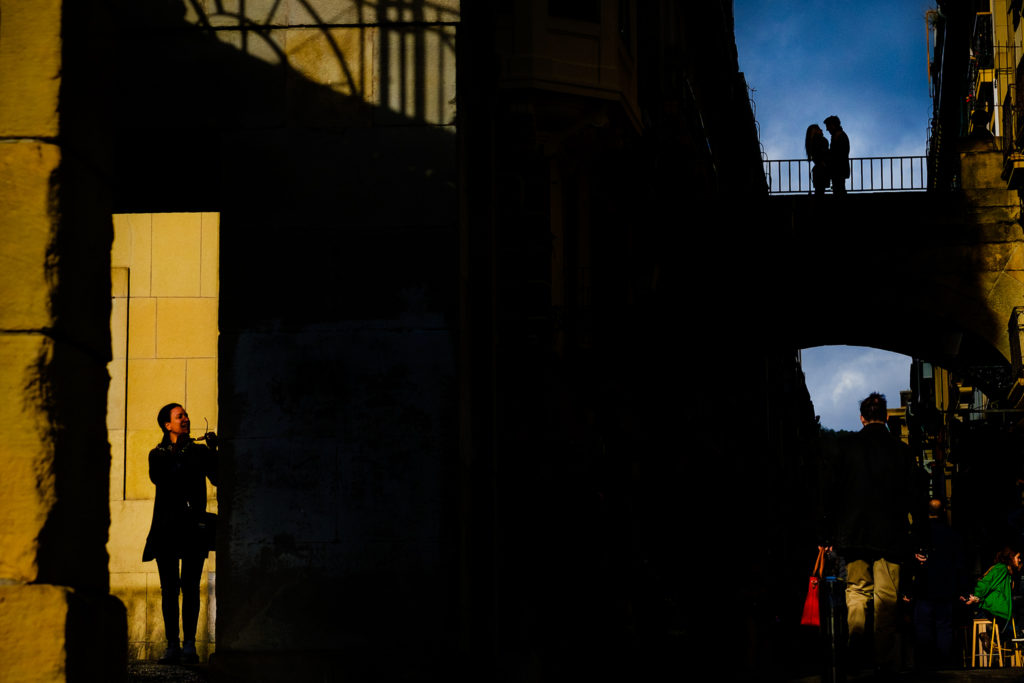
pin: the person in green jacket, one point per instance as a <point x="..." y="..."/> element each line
<point x="994" y="593"/>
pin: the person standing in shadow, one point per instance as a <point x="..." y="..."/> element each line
<point x="872" y="494"/>
<point x="839" y="155"/>
<point x="937" y="584"/>
<point x="816" y="147"/>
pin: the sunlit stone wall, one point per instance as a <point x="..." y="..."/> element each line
<point x="164" y="332"/>
<point x="57" y="619"/>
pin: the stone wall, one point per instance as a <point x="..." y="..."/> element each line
<point x="57" y="619"/>
<point x="323" y="135"/>
<point x="164" y="333"/>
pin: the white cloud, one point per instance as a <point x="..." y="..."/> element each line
<point x="839" y="377"/>
<point x="846" y="382"/>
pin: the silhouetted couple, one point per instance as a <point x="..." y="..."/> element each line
<point x="831" y="164"/>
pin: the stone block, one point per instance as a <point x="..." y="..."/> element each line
<point x="414" y="74"/>
<point x="33" y="620"/>
<point x="116" y="394"/>
<point x="141" y="328"/>
<point x="205" y="615"/>
<point x="326" y="12"/>
<point x="132" y="249"/>
<point x="129" y="526"/>
<point x="201" y="393"/>
<point x="209" y="272"/>
<point x="119" y="284"/>
<point x="130" y="589"/>
<point x="153" y="383"/>
<point x="186" y="328"/>
<point x="116" y="437"/>
<point x="140" y="442"/>
<point x="339" y="58"/>
<point x="121" y="247"/>
<point x="155" y="633"/>
<point x="177" y="245"/>
<point x="119" y="328"/>
<point x="267" y="46"/>
<point x="981" y="165"/>
<point x="259" y="12"/>
<point x="444" y="10"/>
<point x="28" y="228"/>
<point x="27" y="455"/>
<point x="30" y="68"/>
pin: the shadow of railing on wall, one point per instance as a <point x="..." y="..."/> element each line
<point x="412" y="42"/>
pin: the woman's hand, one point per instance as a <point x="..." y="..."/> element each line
<point x="211" y="440"/>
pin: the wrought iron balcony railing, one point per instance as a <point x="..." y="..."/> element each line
<point x="867" y="174"/>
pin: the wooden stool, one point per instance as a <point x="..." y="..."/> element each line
<point x="1013" y="649"/>
<point x="995" y="647"/>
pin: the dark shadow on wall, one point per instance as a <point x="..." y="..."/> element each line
<point x="339" y="277"/>
<point x="204" y="126"/>
<point x="338" y="280"/>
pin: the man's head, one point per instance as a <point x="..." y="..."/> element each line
<point x="873" y="409"/>
<point x="832" y="123"/>
<point x="935" y="508"/>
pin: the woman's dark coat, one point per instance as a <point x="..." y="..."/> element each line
<point x="180" y="477"/>
<point x="819" y="155"/>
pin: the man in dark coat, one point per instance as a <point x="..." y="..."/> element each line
<point x="871" y="490"/>
<point x="838" y="155"/>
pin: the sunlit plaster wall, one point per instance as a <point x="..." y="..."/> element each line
<point x="164" y="332"/>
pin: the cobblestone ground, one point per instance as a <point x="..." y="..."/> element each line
<point x="151" y="672"/>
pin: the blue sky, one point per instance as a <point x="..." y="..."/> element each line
<point x="866" y="62"/>
<point x="839" y="377"/>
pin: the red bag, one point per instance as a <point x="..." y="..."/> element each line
<point x="812" y="615"/>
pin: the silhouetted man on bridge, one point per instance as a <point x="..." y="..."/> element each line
<point x="839" y="155"/>
<point x="871" y="486"/>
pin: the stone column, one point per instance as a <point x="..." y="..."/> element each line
<point x="57" y="619"/>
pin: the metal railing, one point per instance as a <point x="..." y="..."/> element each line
<point x="867" y="174"/>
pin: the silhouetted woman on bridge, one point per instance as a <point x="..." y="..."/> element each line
<point x="816" y="147"/>
<point x="181" y="530"/>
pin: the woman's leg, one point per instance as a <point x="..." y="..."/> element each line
<point x="191" y="573"/>
<point x="169" y="586"/>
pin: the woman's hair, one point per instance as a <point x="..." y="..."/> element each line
<point x="1005" y="556"/>
<point x="810" y="135"/>
<point x="162" y="418"/>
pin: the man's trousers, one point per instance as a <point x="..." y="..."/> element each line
<point x="876" y="582"/>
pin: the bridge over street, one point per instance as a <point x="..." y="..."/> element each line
<point x="929" y="274"/>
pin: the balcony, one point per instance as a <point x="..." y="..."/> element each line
<point x="579" y="48"/>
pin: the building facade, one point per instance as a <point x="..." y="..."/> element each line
<point x="464" y="270"/>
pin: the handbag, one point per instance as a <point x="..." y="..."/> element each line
<point x="208" y="530"/>
<point x="812" y="614"/>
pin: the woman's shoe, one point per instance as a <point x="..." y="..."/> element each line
<point x="172" y="655"/>
<point x="189" y="655"/>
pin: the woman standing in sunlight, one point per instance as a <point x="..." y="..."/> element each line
<point x="181" y="529"/>
<point x="816" y="147"/>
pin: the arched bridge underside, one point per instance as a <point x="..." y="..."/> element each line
<point x="930" y="275"/>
